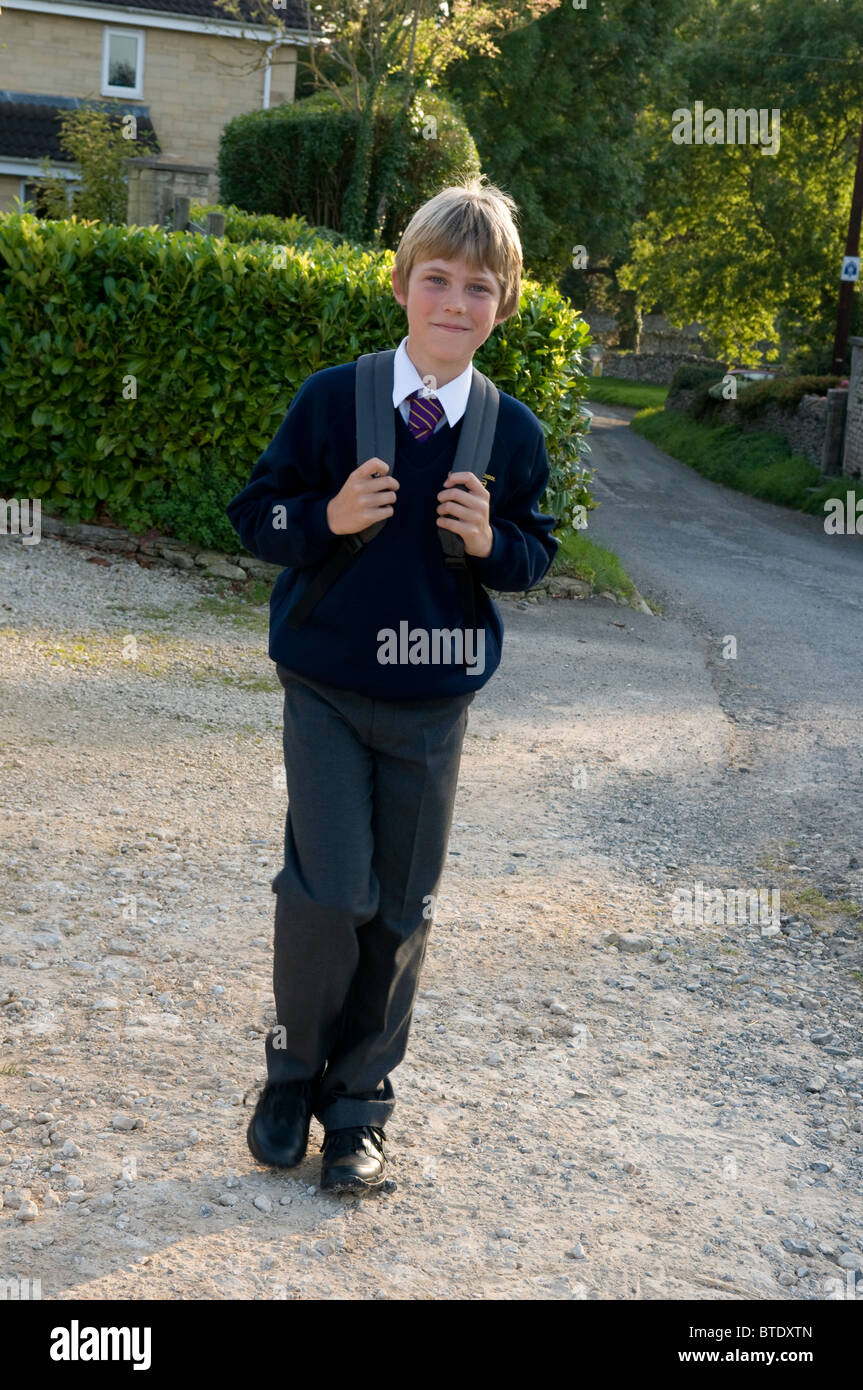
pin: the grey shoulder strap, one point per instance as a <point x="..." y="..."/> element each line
<point x="376" y="433"/>
<point x="376" y="426"/>
<point x="475" y="443"/>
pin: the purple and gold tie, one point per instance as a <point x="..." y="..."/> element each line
<point x="425" y="411"/>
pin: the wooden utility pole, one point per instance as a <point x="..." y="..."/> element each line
<point x="846" y="287"/>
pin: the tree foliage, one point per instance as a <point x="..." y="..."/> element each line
<point x="750" y="244"/>
<point x="94" y="140"/>
<point x="367" y="43"/>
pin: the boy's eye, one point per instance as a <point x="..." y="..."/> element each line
<point x="484" y="288"/>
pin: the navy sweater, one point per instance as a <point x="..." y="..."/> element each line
<point x="400" y="576"/>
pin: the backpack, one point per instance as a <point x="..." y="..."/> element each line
<point x="376" y="438"/>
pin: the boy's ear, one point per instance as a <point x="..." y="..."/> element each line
<point x="502" y="318"/>
<point x="397" y="288"/>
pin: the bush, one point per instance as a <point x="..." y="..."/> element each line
<point x="297" y="158"/>
<point x="703" y="404"/>
<point x="145" y="371"/>
<point x="786" y="392"/>
<point x="690" y="374"/>
<point x="245" y="228"/>
<point x="93" y="139"/>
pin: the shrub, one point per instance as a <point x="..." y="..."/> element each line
<point x="810" y="361"/>
<point x="690" y="374"/>
<point x="297" y="158"/>
<point x="145" y="371"/>
<point x="786" y="392"/>
<point x="245" y="228"/>
<point x="703" y="404"/>
<point x="93" y="139"/>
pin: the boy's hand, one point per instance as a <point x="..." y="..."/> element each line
<point x="463" y="508"/>
<point x="367" y="496"/>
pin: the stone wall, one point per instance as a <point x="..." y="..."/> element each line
<point x="805" y="429"/>
<point x="656" y="334"/>
<point x="657" y="368"/>
<point x="852" y="461"/>
<point x="153" y="182"/>
<point x="813" y="430"/>
<point x="238" y="567"/>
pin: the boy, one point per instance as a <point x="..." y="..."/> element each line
<point x="372" y="747"/>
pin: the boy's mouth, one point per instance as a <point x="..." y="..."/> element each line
<point x="451" y="328"/>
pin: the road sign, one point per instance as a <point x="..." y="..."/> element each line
<point x="850" y="268"/>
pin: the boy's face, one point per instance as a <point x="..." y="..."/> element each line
<point x="451" y="311"/>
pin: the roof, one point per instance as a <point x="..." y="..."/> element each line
<point x="293" y="16"/>
<point x="30" y="123"/>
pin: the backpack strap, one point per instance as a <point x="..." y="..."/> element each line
<point x="376" y="438"/>
<point x="376" y="422"/>
<point x="471" y="456"/>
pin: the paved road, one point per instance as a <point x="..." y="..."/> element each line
<point x="724" y="564"/>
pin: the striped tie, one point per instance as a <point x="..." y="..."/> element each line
<point x="425" y="411"/>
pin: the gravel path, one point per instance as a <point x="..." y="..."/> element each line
<point x="598" y="1101"/>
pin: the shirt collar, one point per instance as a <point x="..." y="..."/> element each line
<point x="453" y="396"/>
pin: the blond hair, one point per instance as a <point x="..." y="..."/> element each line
<point x="473" y="221"/>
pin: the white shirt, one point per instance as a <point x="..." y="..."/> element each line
<point x="406" y="380"/>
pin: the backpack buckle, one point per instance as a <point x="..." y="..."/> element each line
<point x="353" y="543"/>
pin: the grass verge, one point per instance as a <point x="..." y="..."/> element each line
<point x="616" y="390"/>
<point x="585" y="559"/>
<point x="761" y="465"/>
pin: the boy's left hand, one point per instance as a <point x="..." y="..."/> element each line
<point x="463" y="508"/>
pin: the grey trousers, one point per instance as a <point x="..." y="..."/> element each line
<point x="371" y="787"/>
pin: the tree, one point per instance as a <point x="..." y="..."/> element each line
<point x="373" y="41"/>
<point x="556" y="117"/>
<point x="749" y="244"/>
<point x="94" y="139"/>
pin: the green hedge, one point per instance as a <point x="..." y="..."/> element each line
<point x="297" y="159"/>
<point x="784" y="392"/>
<point x="245" y="228"/>
<point x="690" y="374"/>
<point x="218" y="337"/>
<point x="753" y="398"/>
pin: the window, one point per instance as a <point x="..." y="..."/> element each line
<point x="123" y="63"/>
<point x="30" y="193"/>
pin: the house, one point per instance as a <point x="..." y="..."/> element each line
<point x="183" y="68"/>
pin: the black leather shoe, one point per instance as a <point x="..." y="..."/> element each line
<point x="278" y="1132"/>
<point x="353" y="1159"/>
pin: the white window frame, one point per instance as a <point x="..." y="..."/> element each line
<point x="107" y="89"/>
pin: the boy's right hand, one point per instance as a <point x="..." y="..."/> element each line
<point x="367" y="496"/>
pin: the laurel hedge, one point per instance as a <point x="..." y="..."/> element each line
<point x="144" y="371"/>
